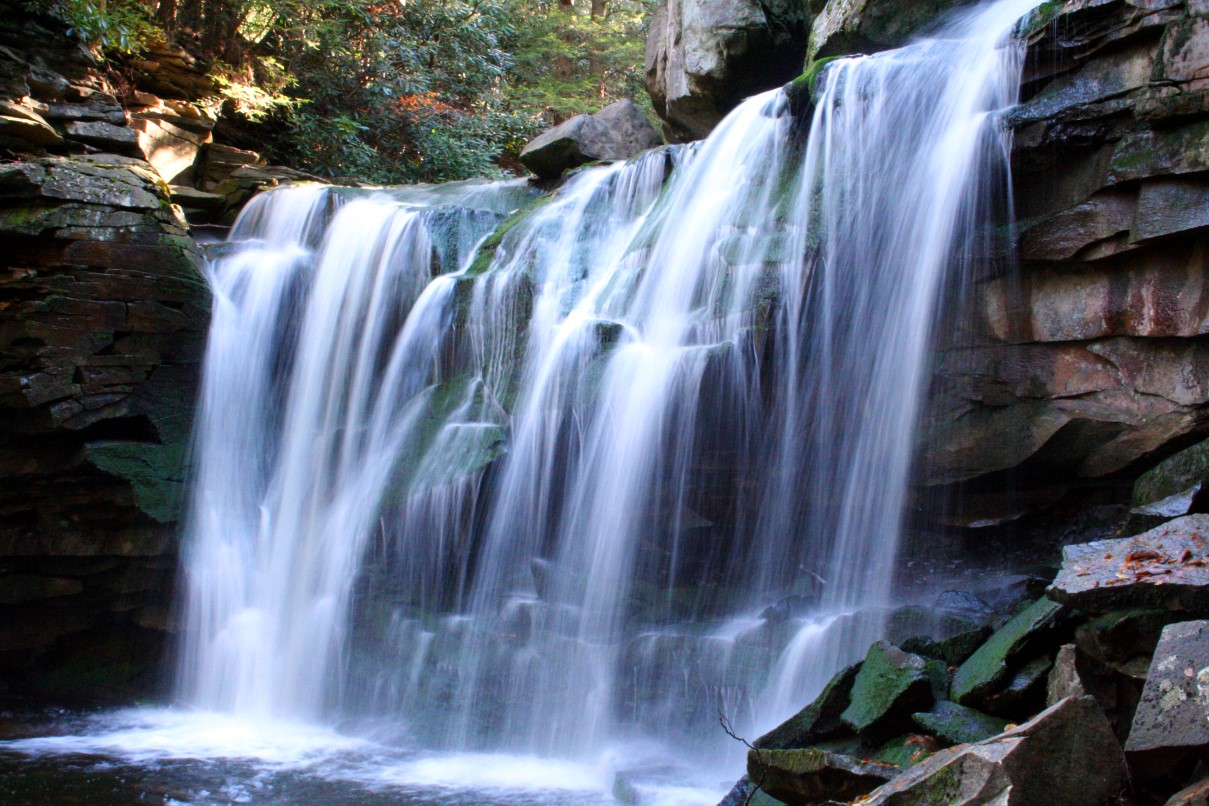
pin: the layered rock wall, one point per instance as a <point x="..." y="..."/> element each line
<point x="1092" y="360"/>
<point x="102" y="314"/>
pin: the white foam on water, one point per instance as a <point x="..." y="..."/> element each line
<point x="492" y="771"/>
<point x="146" y="735"/>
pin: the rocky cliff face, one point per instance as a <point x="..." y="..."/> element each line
<point x="102" y="316"/>
<point x="1092" y="361"/>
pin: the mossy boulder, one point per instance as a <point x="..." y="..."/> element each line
<point x="1174" y="486"/>
<point x="1024" y="692"/>
<point x="956" y="724"/>
<point x="993" y="663"/>
<point x="1125" y="639"/>
<point x="818" y="721"/>
<point x="890" y="686"/>
<point x="906" y="750"/>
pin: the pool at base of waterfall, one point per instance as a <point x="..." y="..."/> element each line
<point x="171" y="756"/>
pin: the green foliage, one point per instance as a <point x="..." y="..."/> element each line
<point x="573" y="63"/>
<point x="256" y="90"/>
<point x="392" y="90"/>
<point x="123" y="26"/>
<point x="400" y="92"/>
<point x="431" y="90"/>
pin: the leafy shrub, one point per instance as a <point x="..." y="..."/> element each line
<point x="124" y="26"/>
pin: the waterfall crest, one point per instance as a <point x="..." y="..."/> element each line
<point x="534" y="485"/>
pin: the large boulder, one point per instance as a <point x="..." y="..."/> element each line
<point x="1065" y="756"/>
<point x="703" y="57"/>
<point x="867" y="26"/>
<point x="890" y="686"/>
<point x="818" y="721"/>
<point x="617" y="132"/>
<point x="956" y="724"/>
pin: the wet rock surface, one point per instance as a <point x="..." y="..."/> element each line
<point x="890" y="683"/>
<point x="1090" y="361"/>
<point x="980" y="677"/>
<point x="956" y="724"/>
<point x="810" y="775"/>
<point x="867" y="26"/>
<point x="818" y="721"/>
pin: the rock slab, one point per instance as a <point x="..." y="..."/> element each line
<point x="617" y="132"/>
<point x="992" y="664"/>
<point x="812" y="774"/>
<point x="1167" y="567"/>
<point x="816" y="722"/>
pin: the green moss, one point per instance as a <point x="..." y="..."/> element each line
<point x="956" y="724"/>
<point x="953" y="650"/>
<point x="486" y="253"/>
<point x="990" y="666"/>
<point x="156" y="473"/>
<point x="890" y="685"/>
<point x="902" y="751"/>
<point x="817" y="721"/>
<point x="1173" y="475"/>
<point x="452" y="439"/>
<point x="1038" y="18"/>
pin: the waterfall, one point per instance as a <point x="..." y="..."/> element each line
<point x="634" y="455"/>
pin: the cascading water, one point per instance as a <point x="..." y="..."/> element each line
<point x="537" y="493"/>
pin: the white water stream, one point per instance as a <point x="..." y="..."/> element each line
<point x="535" y="498"/>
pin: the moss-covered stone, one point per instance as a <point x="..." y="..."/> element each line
<point x="1125" y="639"/>
<point x="905" y="750"/>
<point x="492" y="243"/>
<point x="991" y="665"/>
<point x="818" y="721"/>
<point x="810" y="775"/>
<point x="1165" y="152"/>
<point x="803" y="91"/>
<point x="1024" y="692"/>
<point x="956" y="724"/>
<point x="890" y="686"/>
<point x="1175" y="475"/>
<point x="156" y="473"/>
